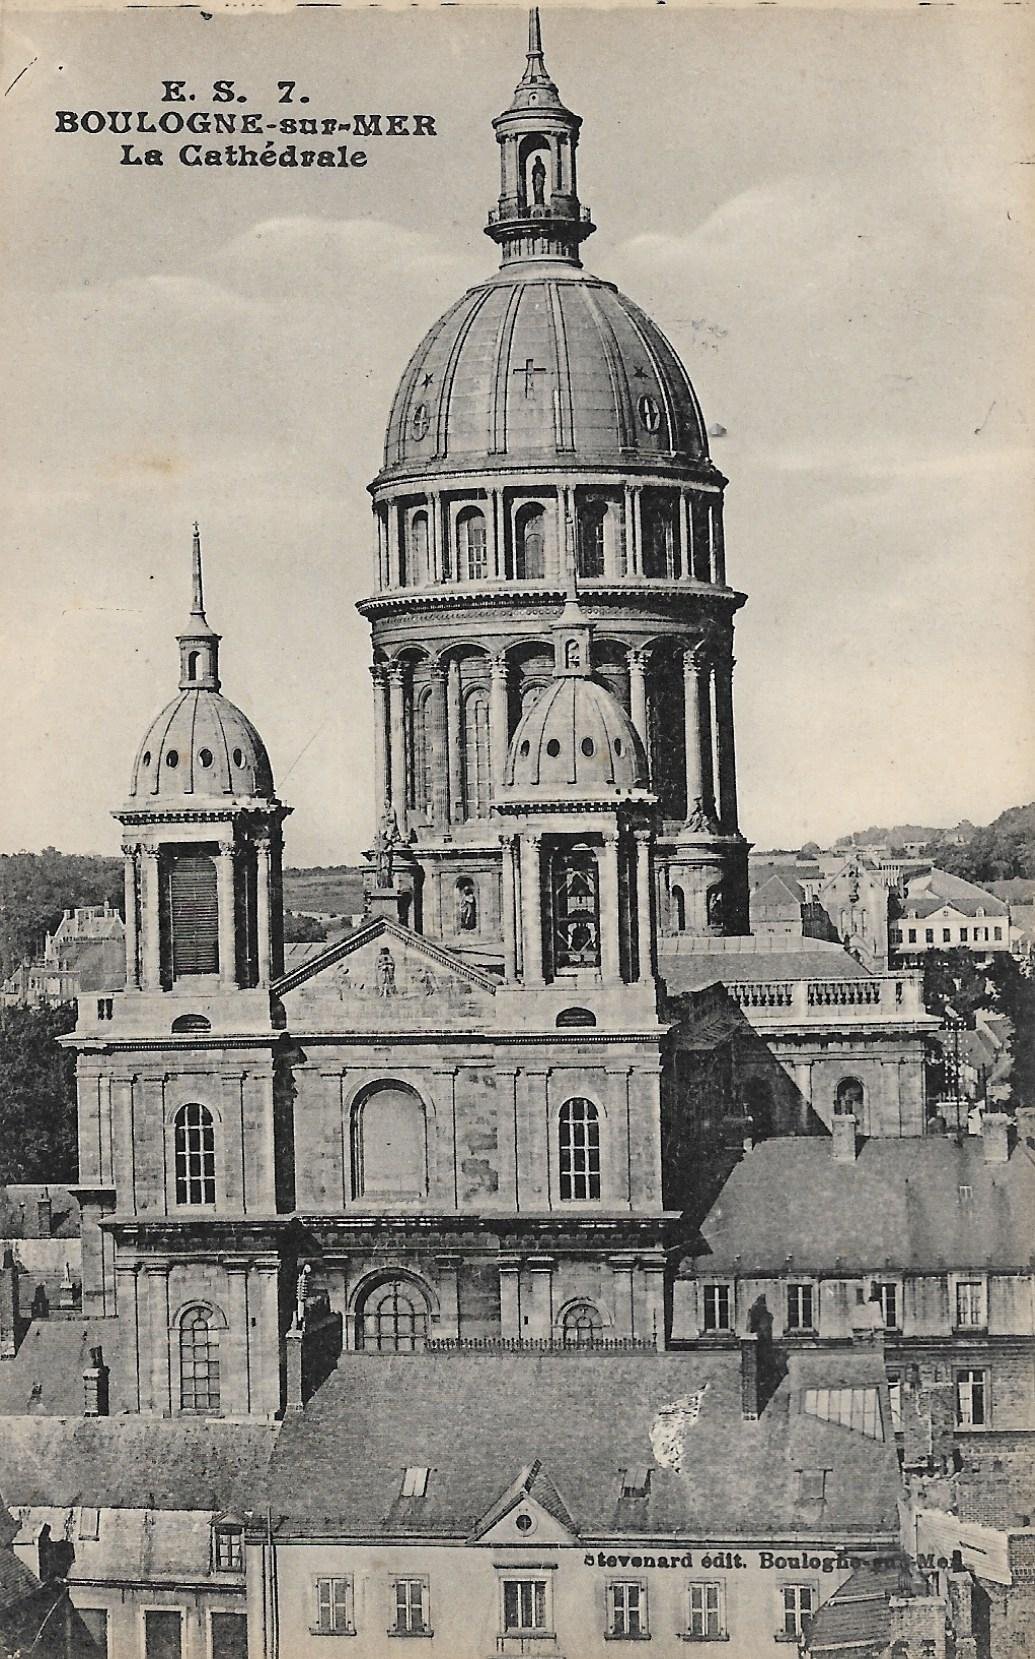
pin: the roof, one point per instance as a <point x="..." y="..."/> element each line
<point x="858" y="1612"/>
<point x="575" y="740"/>
<point x="934" y="889"/>
<point x="778" y="890"/>
<point x="19" y="1211"/>
<point x="925" y="1203"/>
<point x="695" y="970"/>
<point x="133" y="1462"/>
<point x="477" y="1421"/>
<point x="200" y="746"/>
<point x="45" y="1377"/>
<point x="536" y="364"/>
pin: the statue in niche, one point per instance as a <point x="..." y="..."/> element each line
<point x="466" y="908"/>
<point x="427" y="981"/>
<point x="301" y="1287"/>
<point x="385" y="972"/>
<point x="716" y="907"/>
<point x="538" y="182"/>
<point x="385" y="842"/>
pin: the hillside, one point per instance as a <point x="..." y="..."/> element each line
<point x="1001" y="851"/>
<point x="333" y="889"/>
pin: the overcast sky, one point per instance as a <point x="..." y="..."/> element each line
<point x="829" y="215"/>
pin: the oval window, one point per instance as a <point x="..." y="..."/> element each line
<point x="172" y="758"/>
<point x="553" y="748"/>
<point x="238" y="757"/>
<point x="145" y="759"/>
<point x="618" y="745"/>
<point x="525" y="1522"/>
<point x="523" y="751"/>
<point x="588" y="747"/>
<point x="205" y="757"/>
<point x="420" y="421"/>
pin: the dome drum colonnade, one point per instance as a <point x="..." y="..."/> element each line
<point x="545" y="438"/>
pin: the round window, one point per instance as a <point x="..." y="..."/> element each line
<point x="588" y="747"/>
<point x="145" y="759"/>
<point x="172" y="758"/>
<point x="205" y="757"/>
<point x="238" y="757"/>
<point x="525" y="1522"/>
<point x="553" y="748"/>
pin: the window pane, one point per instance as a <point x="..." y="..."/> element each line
<point x="161" y="1635"/>
<point x="229" y="1636"/>
<point x="579" y="1148"/>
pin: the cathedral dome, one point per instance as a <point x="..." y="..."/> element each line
<point x="575" y="741"/>
<point x="541" y="363"/>
<point x="201" y="745"/>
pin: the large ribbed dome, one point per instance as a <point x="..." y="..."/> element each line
<point x="575" y="741"/>
<point x="541" y="363"/>
<point x="201" y="745"/>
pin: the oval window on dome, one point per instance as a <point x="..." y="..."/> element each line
<point x="649" y="413"/>
<point x="205" y="757"/>
<point x="145" y="759"/>
<point x="238" y="757"/>
<point x="588" y="747"/>
<point x="420" y="421"/>
<point x="553" y="748"/>
<point x="172" y="758"/>
<point x="523" y="750"/>
<point x="618" y="745"/>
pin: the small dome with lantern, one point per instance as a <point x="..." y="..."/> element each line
<point x="200" y="746"/>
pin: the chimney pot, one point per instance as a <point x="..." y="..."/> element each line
<point x="842" y="1136"/>
<point x="44" y="1215"/>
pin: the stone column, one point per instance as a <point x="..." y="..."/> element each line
<point x="397" y="740"/>
<point x="263" y="925"/>
<point x="379" y="550"/>
<point x="499" y="721"/>
<point x="499" y="546"/>
<point x="235" y="1377"/>
<point x="644" y="931"/>
<point x="532" y="908"/>
<point x="151" y="925"/>
<point x="622" y="1268"/>
<point x="161" y="1338"/>
<point x="454" y="742"/>
<point x="510" y="1297"/>
<point x="637" y="661"/>
<point x="377" y="675"/>
<point x="684" y="539"/>
<point x="725" y="742"/>
<point x="393" y="544"/>
<point x="449" y="1294"/>
<point x="509" y="916"/>
<point x="653" y="1270"/>
<point x="540" y="1320"/>
<point x="610" y="951"/>
<point x="699" y="783"/>
<point x="439" y="746"/>
<point x="803" y="1083"/>
<point x="434" y="552"/>
<point x="129" y="871"/>
<point x="718" y="547"/>
<point x="634" y="543"/>
<point x="227" y="914"/>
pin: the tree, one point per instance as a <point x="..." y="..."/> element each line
<point x="302" y="930"/>
<point x="953" y="979"/>
<point x="37" y="1095"/>
<point x="37" y="888"/>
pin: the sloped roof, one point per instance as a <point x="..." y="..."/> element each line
<point x="473" y="1419"/>
<point x="898" y="1205"/>
<point x="858" y="1614"/>
<point x="45" y="1377"/>
<point x="131" y="1462"/>
<point x="936" y="889"/>
<point x="778" y="890"/>
<point x="19" y="1213"/>
<point x="694" y="971"/>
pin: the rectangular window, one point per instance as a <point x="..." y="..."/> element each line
<point x="999" y="933"/>
<point x="229" y="1551"/>
<point x="912" y="936"/>
<point x="896" y="936"/>
<point x="895" y="1398"/>
<point x="798" y="1603"/>
<point x="887" y="1296"/>
<point x="971" y="1399"/>
<point x="94" y="1621"/>
<point x="229" y="1636"/>
<point x="707" y="1613"/>
<point x="524" y="1606"/>
<point x="333" y="1607"/>
<point x="89" y="1522"/>
<point x="718" y="1308"/>
<point x="964" y="935"/>
<point x="929" y="935"/>
<point x="411" y="1607"/>
<point x="162" y="1634"/>
<point x="799" y="1308"/>
<point x="946" y="935"/>
<point x="970" y="1304"/>
<point x="105" y="1008"/>
<point x="627" y="1608"/>
<point x="415" y="1481"/>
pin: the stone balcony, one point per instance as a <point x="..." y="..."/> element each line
<point x="779" y="1002"/>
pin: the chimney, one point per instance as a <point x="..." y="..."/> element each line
<point x="44" y="1215"/>
<point x="8" y="1305"/>
<point x="95" y="1385"/>
<point x="995" y="1133"/>
<point x="293" y="1369"/>
<point x="842" y="1133"/>
<point x="749" y="1385"/>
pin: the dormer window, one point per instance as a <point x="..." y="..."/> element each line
<point x="636" y="1481"/>
<point x="414" y="1481"/>
<point x="228" y="1547"/>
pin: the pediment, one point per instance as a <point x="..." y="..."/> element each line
<point x="384" y="974"/>
<point x="529" y="1511"/>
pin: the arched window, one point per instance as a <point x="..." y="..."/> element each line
<point x="578" y="1127"/>
<point x="592" y="538"/>
<point x="193" y="658"/>
<point x="581" y="1325"/>
<point x="471" y="561"/>
<point x="393" y="1318"/>
<point x="420" y="768"/>
<point x="389" y="1145"/>
<point x="657" y="538"/>
<point x="199" y="1363"/>
<point x="476" y="753"/>
<point x="191" y="933"/>
<point x="678" y="911"/>
<point x="466" y="906"/>
<point x="576" y="911"/>
<point x="417" y="562"/>
<point x="530" y="543"/>
<point x="195" y="1155"/>
<point x="849" y="1097"/>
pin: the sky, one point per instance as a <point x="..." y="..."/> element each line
<point x="829" y="214"/>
